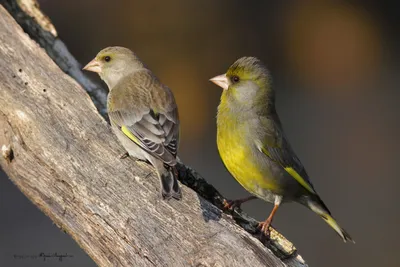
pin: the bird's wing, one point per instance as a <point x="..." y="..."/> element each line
<point x="154" y="130"/>
<point x="277" y="148"/>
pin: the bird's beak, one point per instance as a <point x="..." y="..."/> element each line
<point x="221" y="80"/>
<point x="94" y="66"/>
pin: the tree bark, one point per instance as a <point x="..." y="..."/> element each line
<point x="63" y="156"/>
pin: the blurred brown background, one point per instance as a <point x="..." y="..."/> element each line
<point x="335" y="68"/>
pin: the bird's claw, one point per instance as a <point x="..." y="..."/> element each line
<point x="264" y="227"/>
<point x="124" y="155"/>
<point x="231" y="204"/>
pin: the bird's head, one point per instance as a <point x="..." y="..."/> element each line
<point x="246" y="80"/>
<point x="113" y="64"/>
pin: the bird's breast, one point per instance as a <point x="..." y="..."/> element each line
<point x="238" y="154"/>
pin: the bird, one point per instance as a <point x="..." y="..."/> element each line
<point x="253" y="146"/>
<point x="142" y="112"/>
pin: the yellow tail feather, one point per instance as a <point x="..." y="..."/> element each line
<point x="319" y="208"/>
<point x="341" y="232"/>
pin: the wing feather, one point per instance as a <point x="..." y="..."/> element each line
<point x="278" y="149"/>
<point x="151" y="125"/>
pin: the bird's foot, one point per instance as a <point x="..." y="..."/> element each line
<point x="264" y="227"/>
<point x="143" y="160"/>
<point x="231" y="204"/>
<point x="124" y="155"/>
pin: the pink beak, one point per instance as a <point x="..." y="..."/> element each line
<point x="221" y="80"/>
<point x="94" y="66"/>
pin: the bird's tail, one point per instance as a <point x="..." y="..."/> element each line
<point x="315" y="204"/>
<point x="169" y="184"/>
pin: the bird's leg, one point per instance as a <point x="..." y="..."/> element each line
<point x="231" y="204"/>
<point x="142" y="160"/>
<point x="267" y="223"/>
<point x="124" y="155"/>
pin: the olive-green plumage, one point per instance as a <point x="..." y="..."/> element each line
<point x="253" y="146"/>
<point x="142" y="112"/>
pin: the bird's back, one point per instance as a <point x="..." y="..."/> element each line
<point x="138" y="88"/>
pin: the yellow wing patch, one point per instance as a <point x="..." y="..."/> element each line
<point x="129" y="135"/>
<point x="293" y="173"/>
<point x="299" y="179"/>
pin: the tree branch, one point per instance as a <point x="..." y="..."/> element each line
<point x="39" y="28"/>
<point x="63" y="156"/>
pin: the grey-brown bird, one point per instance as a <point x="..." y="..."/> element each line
<point x="143" y="113"/>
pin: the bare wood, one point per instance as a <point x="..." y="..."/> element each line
<point x="63" y="156"/>
<point x="39" y="27"/>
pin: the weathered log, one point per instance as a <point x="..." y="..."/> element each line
<point x="63" y="156"/>
<point x="38" y="26"/>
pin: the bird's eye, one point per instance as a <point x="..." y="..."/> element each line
<point x="235" y="79"/>
<point x="107" y="59"/>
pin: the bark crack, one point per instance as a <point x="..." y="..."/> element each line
<point x="137" y="250"/>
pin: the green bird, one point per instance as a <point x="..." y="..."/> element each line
<point x="253" y="146"/>
<point x="143" y="113"/>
